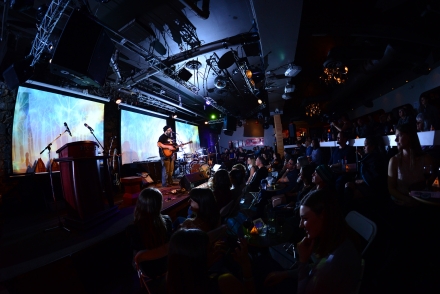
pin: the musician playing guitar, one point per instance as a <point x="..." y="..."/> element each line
<point x="166" y="142"/>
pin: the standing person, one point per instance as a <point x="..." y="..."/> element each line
<point x="165" y="142"/>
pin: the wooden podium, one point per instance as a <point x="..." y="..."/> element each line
<point x="88" y="194"/>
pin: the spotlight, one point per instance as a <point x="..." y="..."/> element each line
<point x="248" y="73"/>
<point x="220" y="82"/>
<point x="260" y="101"/>
<point x="174" y="115"/>
<point x="206" y="122"/>
<point x="118" y="101"/>
<point x="212" y="116"/>
<point x="208" y="102"/>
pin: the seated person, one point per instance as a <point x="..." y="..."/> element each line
<point x="338" y="267"/>
<point x="346" y="153"/>
<point x="189" y="260"/>
<point x="251" y="169"/>
<point x="150" y="229"/>
<point x="221" y="185"/>
<point x="305" y="176"/>
<point x="316" y="156"/>
<point x="204" y="206"/>
<point x="372" y="184"/>
<point x="260" y="174"/>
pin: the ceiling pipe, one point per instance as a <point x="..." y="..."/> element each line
<point x="203" y="13"/>
<point x="159" y="98"/>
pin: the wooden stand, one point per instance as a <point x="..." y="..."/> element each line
<point x="82" y="185"/>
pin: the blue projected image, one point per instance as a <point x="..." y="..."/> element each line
<point x="39" y="119"/>
<point x="186" y="133"/>
<point x="139" y="136"/>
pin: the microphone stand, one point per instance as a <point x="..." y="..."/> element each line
<point x="103" y="150"/>
<point x="60" y="223"/>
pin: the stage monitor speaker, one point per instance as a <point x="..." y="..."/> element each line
<point x="228" y="133"/>
<point x="230" y="123"/>
<point x="83" y="52"/>
<point x="190" y="181"/>
<point x="18" y="73"/>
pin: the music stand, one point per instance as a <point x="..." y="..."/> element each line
<point x="60" y="223"/>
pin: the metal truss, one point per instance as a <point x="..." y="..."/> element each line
<point x="50" y="19"/>
<point x="156" y="103"/>
<point x="216" y="121"/>
<point x="216" y="106"/>
<point x="189" y="35"/>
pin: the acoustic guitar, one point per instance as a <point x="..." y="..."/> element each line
<point x="169" y="153"/>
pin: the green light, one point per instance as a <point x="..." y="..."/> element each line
<point x="212" y="116"/>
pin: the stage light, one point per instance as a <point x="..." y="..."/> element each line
<point x="206" y="122"/>
<point x="118" y="101"/>
<point x="213" y="116"/>
<point x="248" y="73"/>
<point x="220" y="82"/>
<point x="208" y="102"/>
<point x="260" y="101"/>
<point x="174" y="115"/>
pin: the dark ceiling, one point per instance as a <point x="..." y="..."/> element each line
<point x="172" y="56"/>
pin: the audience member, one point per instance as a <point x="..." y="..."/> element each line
<point x="150" y="229"/>
<point x="221" y="185"/>
<point x="328" y="236"/>
<point x="323" y="178"/>
<point x="308" y="145"/>
<point x="316" y="156"/>
<point x="422" y="124"/>
<point x="204" y="206"/>
<point x="277" y="163"/>
<point x="260" y="174"/>
<point x="346" y="153"/>
<point x="405" y="117"/>
<point x="430" y="112"/>
<point x="189" y="262"/>
<point x="251" y="169"/>
<point x="406" y="169"/>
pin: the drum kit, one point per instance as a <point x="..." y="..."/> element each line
<point x="197" y="162"/>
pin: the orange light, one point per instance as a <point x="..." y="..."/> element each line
<point x="248" y="73"/>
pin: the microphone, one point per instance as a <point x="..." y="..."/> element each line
<point x="174" y="133"/>
<point x="89" y="127"/>
<point x="67" y="129"/>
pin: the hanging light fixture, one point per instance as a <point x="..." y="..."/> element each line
<point x="334" y="76"/>
<point x="313" y="109"/>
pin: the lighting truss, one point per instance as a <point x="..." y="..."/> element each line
<point x="189" y="35"/>
<point x="215" y="121"/>
<point x="44" y="30"/>
<point x="154" y="102"/>
<point x="216" y="106"/>
<point x="242" y="68"/>
<point x="213" y="63"/>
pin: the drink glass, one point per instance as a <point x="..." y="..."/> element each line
<point x="262" y="231"/>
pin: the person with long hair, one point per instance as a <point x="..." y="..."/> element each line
<point x="338" y="265"/>
<point x="221" y="185"/>
<point x="406" y="169"/>
<point x="150" y="229"/>
<point x="204" y="206"/>
<point x="188" y="266"/>
<point x="251" y="169"/>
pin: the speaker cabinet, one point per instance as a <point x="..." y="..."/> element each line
<point x="18" y="73"/>
<point x="230" y="123"/>
<point x="83" y="52"/>
<point x="193" y="180"/>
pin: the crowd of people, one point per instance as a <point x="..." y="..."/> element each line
<point x="315" y="198"/>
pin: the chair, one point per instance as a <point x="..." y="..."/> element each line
<point x="366" y="229"/>
<point x="363" y="226"/>
<point x="151" y="265"/>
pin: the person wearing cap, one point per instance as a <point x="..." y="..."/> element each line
<point x="166" y="142"/>
<point x="323" y="177"/>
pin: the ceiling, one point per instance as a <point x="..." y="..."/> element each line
<point x="382" y="43"/>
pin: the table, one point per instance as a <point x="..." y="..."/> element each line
<point x="428" y="201"/>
